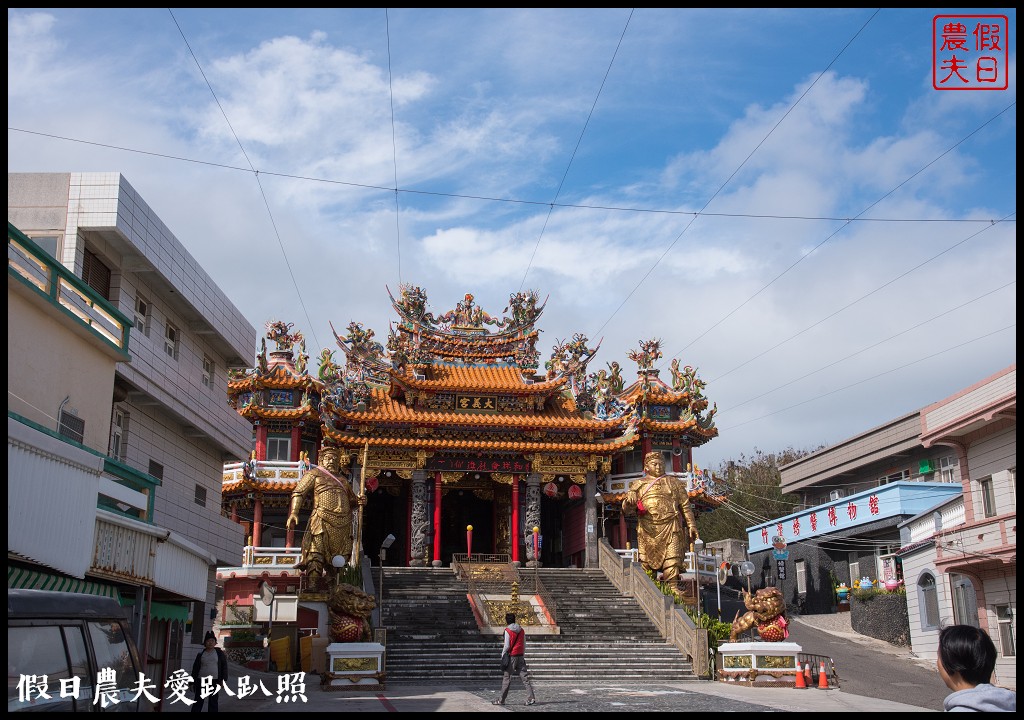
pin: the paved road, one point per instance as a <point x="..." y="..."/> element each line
<point x="874" y="668"/>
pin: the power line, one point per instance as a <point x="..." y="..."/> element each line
<point x="394" y="147"/>
<point x="843" y="227"/>
<point x="732" y="175"/>
<point x="854" y="302"/>
<point x="255" y="173"/>
<point x="865" y="349"/>
<point x="514" y="201"/>
<point x="579" y="140"/>
<point x="874" y="377"/>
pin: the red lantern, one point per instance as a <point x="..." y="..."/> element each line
<point x="574" y="492"/>
<point x="372" y="483"/>
<point x="551" y="490"/>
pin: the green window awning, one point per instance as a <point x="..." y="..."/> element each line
<point x="162" y="610"/>
<point x="34" y="580"/>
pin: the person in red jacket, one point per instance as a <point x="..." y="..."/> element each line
<point x="513" y="660"/>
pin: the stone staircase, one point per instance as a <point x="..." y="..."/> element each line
<point x="432" y="635"/>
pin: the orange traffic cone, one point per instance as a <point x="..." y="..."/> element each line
<point x="800" y="683"/>
<point x="822" y="678"/>
<point x="808" y="678"/>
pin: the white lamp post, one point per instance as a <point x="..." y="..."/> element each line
<point x="338" y="561"/>
<point x="388" y="541"/>
<point x="698" y="547"/>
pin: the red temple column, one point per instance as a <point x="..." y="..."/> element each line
<point x="437" y="519"/>
<point x="261" y="442"/>
<point x="515" y="519"/>
<point x="623" y="533"/>
<point x="645" y="443"/>
<point x="234" y="512"/>
<point x="296" y="443"/>
<point x="257" y="522"/>
<point x="677" y="457"/>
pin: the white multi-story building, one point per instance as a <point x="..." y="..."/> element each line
<point x="161" y="419"/>
<point x="960" y="557"/>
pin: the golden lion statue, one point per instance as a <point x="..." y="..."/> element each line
<point x="767" y="612"/>
<point x="349" y="611"/>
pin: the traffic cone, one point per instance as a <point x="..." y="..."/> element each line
<point x="808" y="678"/>
<point x="800" y="683"/>
<point x="822" y="678"/>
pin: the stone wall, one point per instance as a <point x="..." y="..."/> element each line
<point x="882" y="616"/>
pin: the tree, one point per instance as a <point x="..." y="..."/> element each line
<point x="754" y="494"/>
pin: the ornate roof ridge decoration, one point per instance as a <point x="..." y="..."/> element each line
<point x="366" y="358"/>
<point x="467" y="317"/>
<point x="686" y="393"/>
<point x="279" y="368"/>
<point x="463" y="333"/>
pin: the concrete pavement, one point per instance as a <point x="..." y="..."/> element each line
<point x="693" y="696"/>
<point x="609" y="696"/>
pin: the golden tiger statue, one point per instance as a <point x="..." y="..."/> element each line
<point x="767" y="612"/>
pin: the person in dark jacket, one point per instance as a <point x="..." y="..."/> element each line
<point x="513" y="660"/>
<point x="212" y="662"/>
<point x="966" y="660"/>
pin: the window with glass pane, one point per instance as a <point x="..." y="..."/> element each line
<point x="171" y="341"/>
<point x="111" y="649"/>
<point x="1007" y="640"/>
<point x="988" y="496"/>
<point x="929" y="598"/>
<point x="947" y="469"/>
<point x="208" y="368"/>
<point x="279" y="448"/>
<point x="39" y="651"/>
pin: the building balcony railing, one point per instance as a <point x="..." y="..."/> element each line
<point x="619" y="484"/>
<point x="37" y="269"/>
<point x="265" y="471"/>
<point x="257" y="561"/>
<point x="986" y="542"/>
<point x="276" y="557"/>
<point x="950" y="516"/>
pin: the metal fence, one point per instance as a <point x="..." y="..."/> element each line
<point x="494" y="575"/>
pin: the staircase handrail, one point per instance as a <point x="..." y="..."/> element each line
<point x="672" y="621"/>
<point x="528" y="583"/>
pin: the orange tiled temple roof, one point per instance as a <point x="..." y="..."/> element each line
<point x="279" y="377"/>
<point x="478" y="378"/>
<point x="277" y="412"/>
<point x="385" y="409"/>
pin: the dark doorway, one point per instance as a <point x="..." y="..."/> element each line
<point x="551" y="531"/>
<point x="384" y="514"/>
<point x="460" y="508"/>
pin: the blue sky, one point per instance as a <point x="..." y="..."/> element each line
<point x="844" y="268"/>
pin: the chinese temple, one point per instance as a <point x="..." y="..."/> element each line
<point x="454" y="422"/>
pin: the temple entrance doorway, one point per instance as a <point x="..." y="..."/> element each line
<point x="551" y="510"/>
<point x="383" y="515"/>
<point x="460" y="508"/>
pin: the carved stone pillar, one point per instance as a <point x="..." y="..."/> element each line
<point x="590" y="511"/>
<point x="531" y="517"/>
<point x="420" y="520"/>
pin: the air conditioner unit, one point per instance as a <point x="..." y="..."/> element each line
<point x="836" y="494"/>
